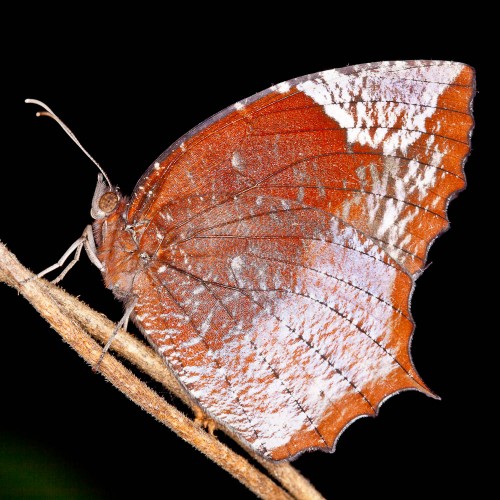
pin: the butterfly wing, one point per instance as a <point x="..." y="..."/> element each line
<point x="285" y="234"/>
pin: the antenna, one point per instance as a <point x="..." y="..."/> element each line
<point x="48" y="112"/>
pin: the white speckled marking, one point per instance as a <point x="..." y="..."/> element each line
<point x="282" y="87"/>
<point x="409" y="101"/>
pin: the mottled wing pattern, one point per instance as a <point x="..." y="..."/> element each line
<point x="284" y="237"/>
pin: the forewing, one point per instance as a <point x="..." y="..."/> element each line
<point x="380" y="146"/>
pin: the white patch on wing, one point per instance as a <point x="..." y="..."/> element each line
<point x="237" y="162"/>
<point x="398" y="105"/>
<point x="282" y="88"/>
<point x="237" y="264"/>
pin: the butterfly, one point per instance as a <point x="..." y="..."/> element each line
<point x="270" y="254"/>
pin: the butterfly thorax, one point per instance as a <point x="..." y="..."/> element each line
<point x="118" y="248"/>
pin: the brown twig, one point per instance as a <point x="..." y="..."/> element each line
<point x="79" y="325"/>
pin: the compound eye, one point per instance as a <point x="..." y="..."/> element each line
<point x="108" y="202"/>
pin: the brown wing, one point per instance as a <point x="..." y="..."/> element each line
<point x="284" y="236"/>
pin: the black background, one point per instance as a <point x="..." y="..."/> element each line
<point x="128" y="87"/>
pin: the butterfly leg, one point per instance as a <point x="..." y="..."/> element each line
<point x="86" y="241"/>
<point x="201" y="419"/>
<point x="123" y="323"/>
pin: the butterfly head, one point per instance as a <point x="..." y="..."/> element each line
<point x="105" y="200"/>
